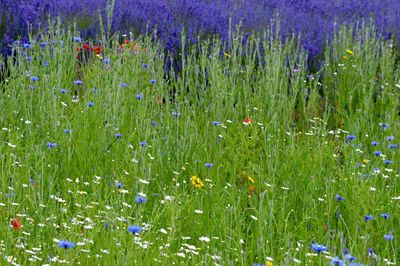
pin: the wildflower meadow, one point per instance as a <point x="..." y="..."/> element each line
<point x="201" y="146"/>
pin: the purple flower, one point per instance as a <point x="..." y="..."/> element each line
<point x="383" y="126"/>
<point x="117" y="135"/>
<point x="208" y="165"/>
<point x="139" y="96"/>
<point x="51" y="145"/>
<point x="318" y="248"/>
<point x="377" y="153"/>
<point x="339" y="198"/>
<point x="66" y="244"/>
<point x="43" y="44"/>
<point x="143" y="143"/>
<point x="388" y="237"/>
<point x="134" y="229"/>
<point x="368" y="217"/>
<point x="140" y="199"/>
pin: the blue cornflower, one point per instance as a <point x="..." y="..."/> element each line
<point x="377" y="153"/>
<point x="368" y="217"/>
<point x="388" y="237"/>
<point x="176" y="114"/>
<point x="134" y="229"/>
<point x="51" y="145"/>
<point x="90" y="104"/>
<point x="389" y="138"/>
<point x="139" y="96"/>
<point x="27" y="45"/>
<point x="388" y="162"/>
<point x="374" y="143"/>
<point x="385" y="216"/>
<point x="67" y="131"/>
<point x="145" y="66"/>
<point x="216" y="123"/>
<point x="154" y="123"/>
<point x="77" y="39"/>
<point x="28" y="58"/>
<point x="347" y="255"/>
<point x="208" y="165"/>
<point x="143" y="143"/>
<point x="350" y="137"/>
<point x="78" y="82"/>
<point x="106" y="60"/>
<point x="339" y="198"/>
<point x="66" y="244"/>
<point x="140" y="199"/>
<point x="118" y="135"/>
<point x="338" y="262"/>
<point x="392" y="146"/>
<point x="153" y="81"/>
<point x="119" y="185"/>
<point x="318" y="247"/>
<point x="106" y="226"/>
<point x="63" y="91"/>
<point x="43" y="44"/>
<point x="34" y="78"/>
<point x="384" y="126"/>
<point x="123" y="85"/>
<point x="46" y="63"/>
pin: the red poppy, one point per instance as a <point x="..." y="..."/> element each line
<point x="126" y="41"/>
<point x="97" y="49"/>
<point x="16" y="223"/>
<point x="86" y="46"/>
<point x="247" y="121"/>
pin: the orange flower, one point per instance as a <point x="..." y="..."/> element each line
<point x="16" y="223"/>
<point x="247" y="121"/>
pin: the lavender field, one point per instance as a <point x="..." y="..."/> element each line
<point x="199" y="132"/>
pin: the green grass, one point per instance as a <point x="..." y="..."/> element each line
<point x="293" y="151"/>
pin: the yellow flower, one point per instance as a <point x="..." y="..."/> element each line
<point x="268" y="263"/>
<point x="227" y="55"/>
<point x="365" y="161"/>
<point x="197" y="182"/>
<point x="345" y="57"/>
<point x="250" y="179"/>
<point x="350" y="52"/>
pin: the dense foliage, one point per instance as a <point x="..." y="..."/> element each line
<point x="314" y="19"/>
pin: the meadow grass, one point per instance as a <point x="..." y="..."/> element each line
<point x="283" y="157"/>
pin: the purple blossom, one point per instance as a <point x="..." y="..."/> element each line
<point x="134" y="229"/>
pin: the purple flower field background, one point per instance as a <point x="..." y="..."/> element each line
<point x="199" y="132"/>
